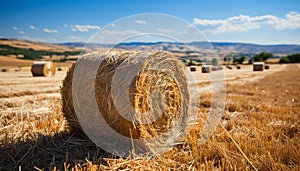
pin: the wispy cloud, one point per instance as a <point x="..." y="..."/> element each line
<point x="15" y="28"/>
<point x="160" y="30"/>
<point x="75" y="37"/>
<point x="19" y="30"/>
<point x="140" y="21"/>
<point x="243" y="23"/>
<point x="65" y="25"/>
<point x="121" y="32"/>
<point x="84" y="28"/>
<point x="32" y="27"/>
<point x="50" y="31"/>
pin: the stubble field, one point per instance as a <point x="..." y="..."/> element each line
<point x="259" y="130"/>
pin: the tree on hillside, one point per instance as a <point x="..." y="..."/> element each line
<point x="239" y="60"/>
<point x="295" y="58"/>
<point x="284" y="60"/>
<point x="214" y="61"/>
<point x="191" y="63"/>
<point x="263" y="56"/>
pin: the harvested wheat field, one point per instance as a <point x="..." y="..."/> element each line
<point x="259" y="130"/>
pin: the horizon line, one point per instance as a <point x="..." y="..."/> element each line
<point x="154" y="42"/>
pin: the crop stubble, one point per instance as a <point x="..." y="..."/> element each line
<point x="262" y="116"/>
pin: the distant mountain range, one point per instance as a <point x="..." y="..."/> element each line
<point x="202" y="47"/>
<point x="181" y="49"/>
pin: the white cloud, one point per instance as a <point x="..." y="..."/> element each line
<point x="291" y="21"/>
<point x="65" y="25"/>
<point x="84" y="28"/>
<point x="50" y="31"/>
<point x="160" y="30"/>
<point x="113" y="25"/>
<point x="75" y="37"/>
<point x="19" y="30"/>
<point x="121" y="32"/>
<point x="243" y="23"/>
<point x="15" y="28"/>
<point x="32" y="27"/>
<point x="140" y="21"/>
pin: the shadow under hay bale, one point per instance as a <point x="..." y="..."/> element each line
<point x="238" y="67"/>
<point x="43" y="69"/>
<point x="159" y="72"/>
<point x="59" y="69"/>
<point x="51" y="152"/>
<point x="4" y="70"/>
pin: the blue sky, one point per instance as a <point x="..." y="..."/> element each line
<point x="55" y="21"/>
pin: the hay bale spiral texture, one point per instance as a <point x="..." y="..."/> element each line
<point x="149" y="106"/>
<point x="44" y="69"/>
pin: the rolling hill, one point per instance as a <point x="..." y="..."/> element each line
<point x="219" y="47"/>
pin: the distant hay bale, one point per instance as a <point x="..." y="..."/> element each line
<point x="170" y="82"/>
<point x="206" y="69"/>
<point x="229" y="67"/>
<point x="45" y="69"/>
<point x="17" y="69"/>
<point x="258" y="66"/>
<point x="4" y="69"/>
<point x="267" y="66"/>
<point x="193" y="68"/>
<point x="238" y="67"/>
<point x="215" y="68"/>
<point x="59" y="69"/>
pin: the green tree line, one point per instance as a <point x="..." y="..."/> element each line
<point x="29" y="53"/>
<point x="295" y="58"/>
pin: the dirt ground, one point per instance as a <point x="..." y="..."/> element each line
<point x="259" y="130"/>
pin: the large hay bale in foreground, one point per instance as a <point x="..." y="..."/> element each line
<point x="158" y="93"/>
<point x="44" y="69"/>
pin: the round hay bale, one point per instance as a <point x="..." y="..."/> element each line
<point x="154" y="116"/>
<point x="229" y="67"/>
<point x="206" y="69"/>
<point x="267" y="66"/>
<point x="193" y="68"/>
<point x="214" y="68"/>
<point x="258" y="66"/>
<point x="4" y="70"/>
<point x="44" y="69"/>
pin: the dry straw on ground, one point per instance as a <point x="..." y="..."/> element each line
<point x="159" y="96"/>
<point x="45" y="69"/>
<point x="266" y="131"/>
